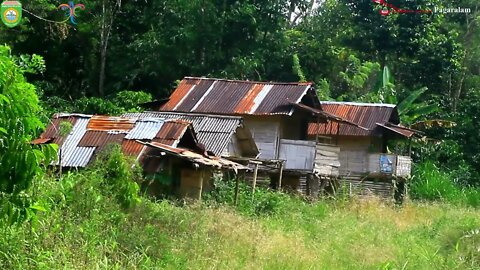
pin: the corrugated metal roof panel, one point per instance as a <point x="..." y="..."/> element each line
<point x="109" y="123"/>
<point x="145" y="129"/>
<point x="196" y="157"/>
<point x="204" y="126"/>
<point x="194" y="94"/>
<point x="41" y="141"/>
<point x="220" y="96"/>
<point x="171" y="132"/>
<point x="131" y="148"/>
<point x="364" y="114"/>
<point x="246" y="104"/>
<point x="399" y="129"/>
<point x="100" y="139"/>
<point x="53" y="129"/>
<point x="71" y="154"/>
<point x="179" y="94"/>
<point x="219" y="139"/>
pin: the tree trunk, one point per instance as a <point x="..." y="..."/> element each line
<point x="469" y="34"/>
<point x="108" y="15"/>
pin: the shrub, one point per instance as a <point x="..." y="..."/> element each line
<point x="263" y="202"/>
<point x="121" y="175"/>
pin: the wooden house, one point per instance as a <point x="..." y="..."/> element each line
<point x="367" y="161"/>
<point x="167" y="150"/>
<point x="277" y="115"/>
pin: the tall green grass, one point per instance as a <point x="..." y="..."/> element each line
<point x="431" y="183"/>
<point x="87" y="226"/>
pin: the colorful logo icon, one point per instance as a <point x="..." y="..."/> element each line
<point x="11" y="13"/>
<point x="71" y="11"/>
<point x="385" y="11"/>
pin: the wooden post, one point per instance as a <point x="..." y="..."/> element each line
<point x="338" y="133"/>
<point x="201" y="186"/>
<point x="394" y="183"/>
<point x="410" y="147"/>
<point x="255" y="172"/>
<point x="280" y="176"/>
<point x="237" y="183"/>
<point x="309" y="188"/>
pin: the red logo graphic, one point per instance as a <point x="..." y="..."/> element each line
<point x="389" y="8"/>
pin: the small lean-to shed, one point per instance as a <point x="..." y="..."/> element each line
<point x="363" y="156"/>
<point x="223" y="135"/>
<point x="139" y="138"/>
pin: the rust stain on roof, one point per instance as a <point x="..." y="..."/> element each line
<point x="108" y="123"/>
<point x="206" y="95"/>
<point x="246" y="104"/>
<point x="178" y="94"/>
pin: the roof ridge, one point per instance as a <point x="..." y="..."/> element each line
<point x="247" y="81"/>
<point x="364" y="104"/>
<point x="192" y="114"/>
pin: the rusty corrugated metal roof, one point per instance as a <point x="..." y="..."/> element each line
<point x="403" y="131"/>
<point x="109" y="123"/>
<point x="171" y="132"/>
<point x="100" y="139"/>
<point x="216" y="162"/>
<point x="366" y="115"/>
<point x="132" y="148"/>
<point x="53" y="129"/>
<point x="41" y="141"/>
<point x="206" y="95"/>
<point x="80" y="146"/>
<point x="213" y="131"/>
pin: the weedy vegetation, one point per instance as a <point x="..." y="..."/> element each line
<point x="96" y="219"/>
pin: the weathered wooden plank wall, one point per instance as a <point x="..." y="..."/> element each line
<point x="327" y="162"/>
<point x="265" y="132"/>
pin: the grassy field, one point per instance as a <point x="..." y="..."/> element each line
<point x="85" y="227"/>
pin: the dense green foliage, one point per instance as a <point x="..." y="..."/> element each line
<point x="20" y="162"/>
